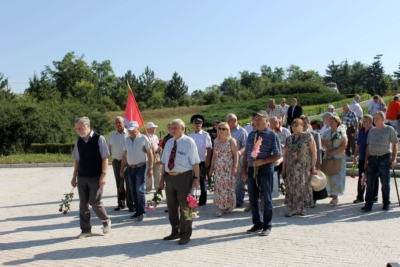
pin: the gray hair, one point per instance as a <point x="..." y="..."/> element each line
<point x="120" y="118"/>
<point x="346" y="105"/>
<point x="232" y="116"/>
<point x="83" y="120"/>
<point x="367" y="116"/>
<point x="178" y="121"/>
<point x="274" y="118"/>
<point x="380" y="114"/>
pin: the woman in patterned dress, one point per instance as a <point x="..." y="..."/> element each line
<point x="299" y="160"/>
<point x="335" y="141"/>
<point x="224" y="167"/>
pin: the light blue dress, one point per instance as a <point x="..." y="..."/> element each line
<point x="336" y="183"/>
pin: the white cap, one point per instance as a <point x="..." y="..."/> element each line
<point x="331" y="107"/>
<point x="132" y="125"/>
<point x="150" y="125"/>
<point x="398" y="95"/>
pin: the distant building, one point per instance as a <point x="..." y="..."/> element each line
<point x="333" y="87"/>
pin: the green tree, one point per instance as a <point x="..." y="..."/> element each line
<point x="5" y="91"/>
<point x="176" y="90"/>
<point x="384" y="85"/>
<point x="332" y="73"/>
<point x="105" y="77"/>
<point x="396" y="75"/>
<point x="345" y="77"/>
<point x="358" y="74"/>
<point x="374" y="75"/>
<point x="231" y="87"/>
<point x="294" y="73"/>
<point x="145" y="86"/>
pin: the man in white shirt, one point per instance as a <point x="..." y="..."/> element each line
<point x="274" y="110"/>
<point x="137" y="152"/>
<point x="204" y="147"/>
<point x="180" y="173"/>
<point x="157" y="150"/>
<point x="116" y="144"/>
<point x="373" y="106"/>
<point x="285" y="108"/>
<point x="354" y="106"/>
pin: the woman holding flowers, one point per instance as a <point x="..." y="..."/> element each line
<point x="299" y="158"/>
<point x="224" y="167"/>
<point x="335" y="141"/>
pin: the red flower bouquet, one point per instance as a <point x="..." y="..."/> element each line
<point x="65" y="205"/>
<point x="191" y="207"/>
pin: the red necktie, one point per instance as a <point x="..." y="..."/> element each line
<point x="171" y="161"/>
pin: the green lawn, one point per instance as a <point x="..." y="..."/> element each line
<point x="35" y="158"/>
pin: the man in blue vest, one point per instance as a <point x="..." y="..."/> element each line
<point x="91" y="162"/>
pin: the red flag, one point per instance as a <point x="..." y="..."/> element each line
<point x="132" y="112"/>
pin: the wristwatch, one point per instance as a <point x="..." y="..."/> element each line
<point x="103" y="173"/>
<point x="196" y="178"/>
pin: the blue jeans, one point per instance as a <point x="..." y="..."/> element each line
<point x="378" y="165"/>
<point x="265" y="179"/>
<point x="239" y="189"/>
<point x="137" y="183"/>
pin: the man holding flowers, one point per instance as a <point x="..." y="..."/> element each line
<point x="263" y="148"/>
<point x="180" y="173"/>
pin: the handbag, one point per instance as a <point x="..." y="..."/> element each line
<point x="331" y="166"/>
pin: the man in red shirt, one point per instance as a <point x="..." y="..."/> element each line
<point x="393" y="111"/>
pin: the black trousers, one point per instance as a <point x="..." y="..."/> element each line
<point x="124" y="198"/>
<point x="360" y="189"/>
<point x="351" y="143"/>
<point x="203" y="183"/>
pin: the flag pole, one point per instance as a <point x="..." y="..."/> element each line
<point x="144" y="125"/>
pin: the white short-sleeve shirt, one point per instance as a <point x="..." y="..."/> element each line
<point x="203" y="141"/>
<point x="136" y="150"/>
<point x="186" y="154"/>
<point x="153" y="141"/>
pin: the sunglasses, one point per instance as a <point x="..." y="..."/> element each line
<point x="222" y="129"/>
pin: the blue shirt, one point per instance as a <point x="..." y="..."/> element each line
<point x="270" y="145"/>
<point x="362" y="142"/>
<point x="240" y="134"/>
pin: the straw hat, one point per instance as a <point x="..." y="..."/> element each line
<point x="318" y="181"/>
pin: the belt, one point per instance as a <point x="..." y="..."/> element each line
<point x="379" y="157"/>
<point x="175" y="173"/>
<point x="137" y="165"/>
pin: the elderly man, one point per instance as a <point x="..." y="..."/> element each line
<point x="240" y="134"/>
<point x="354" y="106"/>
<point x="137" y="153"/>
<point x="90" y="169"/>
<point x="204" y="147"/>
<point x="283" y="133"/>
<point x="331" y="109"/>
<point x="180" y="173"/>
<point x="157" y="150"/>
<point x="361" y="149"/>
<point x="381" y="156"/>
<point x="260" y="172"/>
<point x="285" y="108"/>
<point x="393" y="112"/>
<point x="350" y="120"/>
<point x="374" y="105"/>
<point x="294" y="112"/>
<point x="116" y="144"/>
<point x="274" y="110"/>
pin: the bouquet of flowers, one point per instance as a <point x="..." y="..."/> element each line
<point x="255" y="152"/>
<point x="152" y="204"/>
<point x="353" y="168"/>
<point x="66" y="202"/>
<point x="191" y="208"/>
<point x="121" y="186"/>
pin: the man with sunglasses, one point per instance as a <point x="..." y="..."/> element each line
<point x="204" y="147"/>
<point x="240" y="134"/>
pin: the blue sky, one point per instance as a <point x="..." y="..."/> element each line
<point x="204" y="41"/>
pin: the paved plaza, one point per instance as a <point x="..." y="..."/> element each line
<point x="34" y="233"/>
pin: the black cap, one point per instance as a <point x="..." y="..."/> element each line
<point x="197" y="117"/>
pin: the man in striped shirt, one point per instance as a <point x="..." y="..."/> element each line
<point x="349" y="118"/>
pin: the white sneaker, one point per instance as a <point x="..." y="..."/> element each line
<point x="107" y="228"/>
<point x="83" y="235"/>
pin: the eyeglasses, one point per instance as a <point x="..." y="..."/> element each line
<point x="222" y="129"/>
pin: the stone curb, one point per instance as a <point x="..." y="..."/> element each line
<point x="39" y="165"/>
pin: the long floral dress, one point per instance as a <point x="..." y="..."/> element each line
<point x="299" y="194"/>
<point x="224" y="181"/>
<point x="336" y="183"/>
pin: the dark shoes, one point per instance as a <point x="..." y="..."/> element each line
<point x="202" y="204"/>
<point x="132" y="209"/>
<point x="171" y="237"/>
<point x="119" y="208"/>
<point x="255" y="229"/>
<point x="183" y="241"/>
<point x="358" y="201"/>
<point x="385" y="207"/>
<point x="366" y="209"/>
<point x="135" y="216"/>
<point x="238" y="206"/>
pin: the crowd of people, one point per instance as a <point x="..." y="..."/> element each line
<point x="237" y="158"/>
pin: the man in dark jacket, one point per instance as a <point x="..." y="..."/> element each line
<point x="294" y="112"/>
